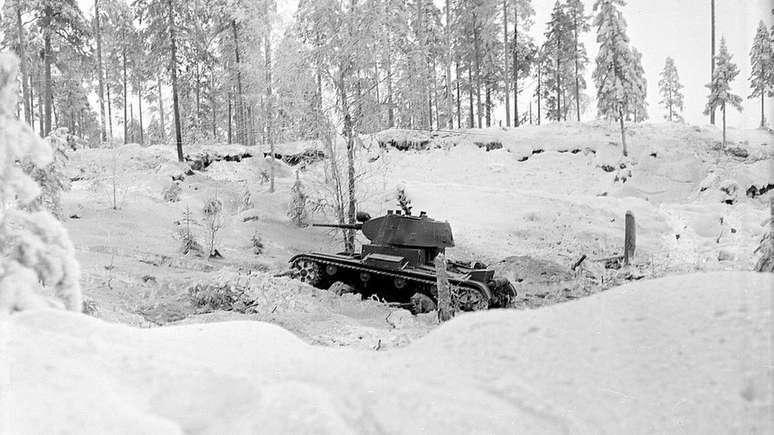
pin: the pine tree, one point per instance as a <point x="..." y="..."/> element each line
<point x="559" y="40"/>
<point x="614" y="71"/>
<point x="669" y="87"/>
<point x="762" y="62"/>
<point x="720" y="88"/>
<point x="639" y="109"/>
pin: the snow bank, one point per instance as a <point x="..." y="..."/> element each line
<point x="689" y="353"/>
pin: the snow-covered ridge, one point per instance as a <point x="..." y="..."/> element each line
<point x="685" y="353"/>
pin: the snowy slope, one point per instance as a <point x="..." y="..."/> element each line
<point x="685" y="354"/>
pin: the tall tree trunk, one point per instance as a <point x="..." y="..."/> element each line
<point x="101" y="93"/>
<point x="558" y="81"/>
<point x="239" y="97"/>
<point x="32" y="101"/>
<point x="109" y="107"/>
<point x="390" y="105"/>
<point x="131" y="122"/>
<point x="577" y="67"/>
<point x="269" y="114"/>
<point x="161" y="110"/>
<point x="229" y="118"/>
<point x="712" y="59"/>
<point x="488" y="104"/>
<point x="723" y="111"/>
<point x="539" y="90"/>
<point x="197" y="90"/>
<point x="139" y="114"/>
<point x="623" y="131"/>
<point x="173" y="69"/>
<point x="470" y="96"/>
<point x="126" y="124"/>
<point x="505" y="65"/>
<point x="449" y="99"/>
<point x="212" y="104"/>
<point x="763" y="116"/>
<point x="669" y="104"/>
<point x="23" y="66"/>
<point x="41" y="104"/>
<point x="477" y="59"/>
<point x="459" y="106"/>
<point x="349" y="242"/>
<point x="47" y="54"/>
<point x="516" y="65"/>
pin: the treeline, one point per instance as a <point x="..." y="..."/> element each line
<point x="371" y="64"/>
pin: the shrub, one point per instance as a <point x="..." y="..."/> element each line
<point x="257" y="244"/>
<point x="212" y="213"/>
<point x="403" y="200"/>
<point x="189" y="245"/>
<point x="297" y="207"/>
<point x="172" y="192"/>
<point x="228" y="296"/>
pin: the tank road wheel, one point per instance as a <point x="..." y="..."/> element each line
<point x="469" y="299"/>
<point x="307" y="271"/>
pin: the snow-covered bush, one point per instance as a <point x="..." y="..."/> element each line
<point x="246" y="197"/>
<point x="51" y="178"/>
<point x="37" y="259"/>
<point x="297" y="208"/>
<point x="212" y="212"/>
<point x="188" y="243"/>
<point x="172" y="192"/>
<point x="226" y="296"/>
<point x="257" y="243"/>
<point x="403" y="200"/>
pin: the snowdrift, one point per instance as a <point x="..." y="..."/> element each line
<point x="681" y="354"/>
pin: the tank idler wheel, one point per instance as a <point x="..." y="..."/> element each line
<point x="469" y="299"/>
<point x="307" y="271"/>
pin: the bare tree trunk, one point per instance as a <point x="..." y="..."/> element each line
<point x="229" y="117"/>
<point x="470" y="96"/>
<point x="459" y="106"/>
<point x="41" y="104"/>
<point x="139" y="113"/>
<point x="577" y="67"/>
<point x="198" y="93"/>
<point x="349" y="244"/>
<point x="712" y="60"/>
<point x="47" y="55"/>
<point x="558" y="82"/>
<point x="161" y="111"/>
<point x="505" y="65"/>
<point x="623" y="131"/>
<point x="32" y="100"/>
<point x="98" y="31"/>
<point x="109" y="107"/>
<point x="723" y="111"/>
<point x="449" y="100"/>
<point x="516" y="65"/>
<point x="173" y="69"/>
<point x="126" y="124"/>
<point x="442" y="285"/>
<point x="23" y="66"/>
<point x="212" y="104"/>
<point x="539" y="85"/>
<point x="477" y="59"/>
<point x="630" y="238"/>
<point x="390" y="106"/>
<point x="488" y="104"/>
<point x="240" y="97"/>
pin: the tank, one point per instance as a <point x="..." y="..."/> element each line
<point x="398" y="265"/>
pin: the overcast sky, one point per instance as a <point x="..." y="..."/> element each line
<point x="661" y="28"/>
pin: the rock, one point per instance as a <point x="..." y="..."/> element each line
<point x="422" y="303"/>
<point x="401" y="318"/>
<point x="725" y="255"/>
<point x="738" y="152"/>
<point x="340" y="288"/>
<point x="731" y="189"/>
<point x="708" y="182"/>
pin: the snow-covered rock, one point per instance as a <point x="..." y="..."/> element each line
<point x="681" y="354"/>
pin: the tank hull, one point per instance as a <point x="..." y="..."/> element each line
<point x="395" y="279"/>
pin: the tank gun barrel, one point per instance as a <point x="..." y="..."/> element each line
<point x="342" y="226"/>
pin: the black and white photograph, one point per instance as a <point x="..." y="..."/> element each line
<point x="386" y="217"/>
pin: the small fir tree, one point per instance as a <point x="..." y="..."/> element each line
<point x="297" y="207"/>
<point x="762" y="62"/>
<point x="720" y="88"/>
<point x="212" y="212"/>
<point x="669" y="86"/>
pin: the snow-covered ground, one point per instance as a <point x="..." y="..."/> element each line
<point x="683" y="354"/>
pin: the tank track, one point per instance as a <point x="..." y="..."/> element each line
<point x="380" y="272"/>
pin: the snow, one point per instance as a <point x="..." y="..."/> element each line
<point x="686" y="353"/>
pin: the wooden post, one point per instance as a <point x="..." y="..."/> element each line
<point x="444" y="293"/>
<point x="630" y="238"/>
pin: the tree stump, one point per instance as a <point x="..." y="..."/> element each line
<point x="444" y="292"/>
<point x="630" y="238"/>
